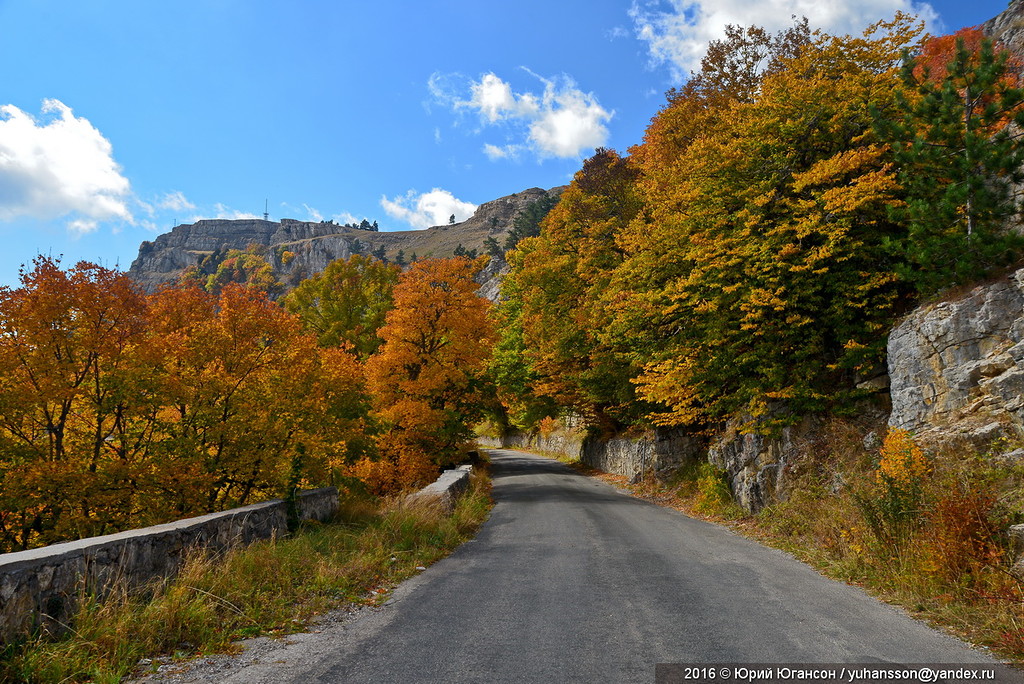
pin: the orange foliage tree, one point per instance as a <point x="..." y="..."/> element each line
<point x="72" y="391"/>
<point x="118" y="410"/>
<point x="248" y="398"/>
<point x="426" y="379"/>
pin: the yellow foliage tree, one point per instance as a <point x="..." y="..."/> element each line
<point x="426" y="378"/>
<point x="756" y="277"/>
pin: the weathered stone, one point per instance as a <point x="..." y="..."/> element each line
<point x="1008" y="27"/>
<point x="879" y="383"/>
<point x="311" y="245"/>
<point x="446" y="489"/>
<point x="755" y="463"/>
<point x="1014" y="456"/>
<point x="985" y="434"/>
<point x="1016" y="534"/>
<point x="38" y="587"/>
<point x="961" y="363"/>
<point x="655" y="451"/>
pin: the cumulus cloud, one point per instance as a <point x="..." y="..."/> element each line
<point x="175" y="201"/>
<point x="494" y="152"/>
<point x="678" y="32"/>
<point x="59" y="165"/>
<point x="82" y="226"/>
<point x="494" y="100"/>
<point x="427" y="209"/>
<point x="562" y="121"/>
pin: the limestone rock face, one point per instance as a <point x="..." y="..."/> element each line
<point x="960" y="364"/>
<point x="313" y="245"/>
<point x="490" y="279"/>
<point x="756" y="464"/>
<point x="1008" y="27"/>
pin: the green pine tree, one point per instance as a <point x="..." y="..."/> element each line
<point x="957" y="161"/>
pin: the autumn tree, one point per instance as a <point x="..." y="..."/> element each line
<point x="520" y="402"/>
<point x="756" y="279"/>
<point x="555" y="294"/>
<point x="119" y="410"/>
<point x="426" y="378"/>
<point x="345" y="304"/>
<point x="248" y="267"/>
<point x="249" y="402"/>
<point x="71" y="394"/>
<point x="954" y="131"/>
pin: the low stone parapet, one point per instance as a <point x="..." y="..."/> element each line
<point x="446" y="489"/>
<point x="40" y="587"/>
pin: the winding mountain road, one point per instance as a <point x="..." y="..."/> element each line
<point x="571" y="580"/>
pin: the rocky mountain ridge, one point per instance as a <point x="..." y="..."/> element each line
<point x="299" y="249"/>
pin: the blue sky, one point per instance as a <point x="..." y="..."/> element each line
<point x="120" y="118"/>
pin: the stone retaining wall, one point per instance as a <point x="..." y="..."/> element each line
<point x="40" y="587"/>
<point x="655" y="451"/>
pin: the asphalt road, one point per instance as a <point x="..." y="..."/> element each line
<point x="571" y="580"/>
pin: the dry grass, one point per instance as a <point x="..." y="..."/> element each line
<point x="272" y="587"/>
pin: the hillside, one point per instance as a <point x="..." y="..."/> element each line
<point x="313" y="245"/>
<point x="1008" y="27"/>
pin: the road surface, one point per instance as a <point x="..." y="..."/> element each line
<point x="572" y="580"/>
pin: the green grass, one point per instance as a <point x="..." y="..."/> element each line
<point x="272" y="587"/>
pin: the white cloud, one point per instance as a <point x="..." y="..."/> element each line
<point x="59" y="165"/>
<point x="345" y="217"/>
<point x="575" y="123"/>
<point x="175" y="201"/>
<point x="313" y="214"/>
<point x="562" y="121"/>
<point x="222" y="211"/>
<point x="428" y="209"/>
<point x="82" y="226"/>
<point x="494" y="152"/>
<point x="494" y="100"/>
<point x="678" y="31"/>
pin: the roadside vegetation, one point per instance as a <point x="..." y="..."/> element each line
<point x="275" y="587"/>
<point x="747" y="259"/>
<point x="120" y="409"/>
<point x="787" y="204"/>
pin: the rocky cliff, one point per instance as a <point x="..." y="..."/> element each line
<point x="1008" y="27"/>
<point x="957" y="366"/>
<point x="313" y="245"/>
